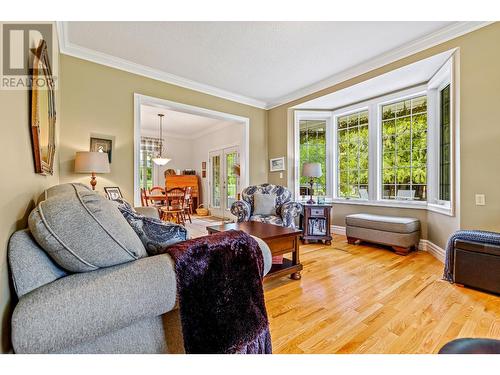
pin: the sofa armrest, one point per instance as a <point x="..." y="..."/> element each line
<point x="289" y="211"/>
<point x="148" y="212"/>
<point x="84" y="306"/>
<point x="241" y="210"/>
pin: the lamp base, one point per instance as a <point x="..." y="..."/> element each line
<point x="311" y="200"/>
<point x="93" y="181"/>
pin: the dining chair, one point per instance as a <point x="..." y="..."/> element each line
<point x="144" y="198"/>
<point x="188" y="203"/>
<point x="174" y="207"/>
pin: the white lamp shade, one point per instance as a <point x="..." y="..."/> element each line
<point x="88" y="162"/>
<point x="311" y="170"/>
<point x="160" y="160"/>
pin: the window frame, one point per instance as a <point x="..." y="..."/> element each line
<point x="442" y="78"/>
<point x="313" y="116"/>
<point x="346" y="111"/>
<point x="447" y="74"/>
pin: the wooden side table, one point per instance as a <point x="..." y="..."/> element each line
<point x="315" y="223"/>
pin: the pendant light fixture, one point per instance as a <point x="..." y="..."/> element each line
<point x="159" y="159"/>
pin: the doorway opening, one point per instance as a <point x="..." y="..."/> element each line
<point x="208" y="150"/>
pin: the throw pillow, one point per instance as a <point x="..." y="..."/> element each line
<point x="264" y="204"/>
<point x="155" y="234"/>
<point x="82" y="231"/>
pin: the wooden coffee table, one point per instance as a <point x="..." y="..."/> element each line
<point x="280" y="240"/>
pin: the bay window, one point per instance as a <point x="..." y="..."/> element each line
<point x="393" y="150"/>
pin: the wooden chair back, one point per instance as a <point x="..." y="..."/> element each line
<point x="157" y="190"/>
<point x="144" y="198"/>
<point x="175" y="198"/>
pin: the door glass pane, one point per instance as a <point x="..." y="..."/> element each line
<point x="216" y="186"/>
<point x="232" y="174"/>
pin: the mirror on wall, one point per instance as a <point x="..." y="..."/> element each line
<point x="43" y="113"/>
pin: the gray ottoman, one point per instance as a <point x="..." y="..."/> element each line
<point x="402" y="233"/>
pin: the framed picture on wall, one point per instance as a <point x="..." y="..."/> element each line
<point x="277" y="164"/>
<point x="101" y="145"/>
<point x="113" y="193"/>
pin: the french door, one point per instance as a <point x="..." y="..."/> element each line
<point x="224" y="180"/>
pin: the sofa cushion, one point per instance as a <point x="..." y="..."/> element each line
<point x="83" y="231"/>
<point x="264" y="204"/>
<point x="155" y="234"/>
<point x="268" y="219"/>
<point x="384" y="223"/>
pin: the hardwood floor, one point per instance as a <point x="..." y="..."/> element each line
<point x="364" y="299"/>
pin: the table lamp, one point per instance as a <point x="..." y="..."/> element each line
<point x="92" y="162"/>
<point x="311" y="170"/>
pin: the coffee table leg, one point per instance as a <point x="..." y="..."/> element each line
<point x="296" y="260"/>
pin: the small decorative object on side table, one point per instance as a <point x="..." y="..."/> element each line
<point x="315" y="223"/>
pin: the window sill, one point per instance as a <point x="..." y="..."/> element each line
<point x="381" y="203"/>
<point x="441" y="209"/>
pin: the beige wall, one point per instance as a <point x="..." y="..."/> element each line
<point x="479" y="135"/>
<point x="99" y="99"/>
<point x="20" y="187"/>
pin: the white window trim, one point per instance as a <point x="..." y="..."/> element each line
<point x="442" y="78"/>
<point x="313" y="115"/>
<point x="374" y="106"/>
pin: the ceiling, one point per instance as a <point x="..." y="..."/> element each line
<point x="395" y="80"/>
<point x="178" y="124"/>
<point x="258" y="63"/>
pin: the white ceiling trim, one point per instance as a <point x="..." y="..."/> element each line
<point x="447" y="33"/>
<point x="68" y="48"/>
<point x="455" y="30"/>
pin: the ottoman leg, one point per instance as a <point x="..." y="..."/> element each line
<point x="401" y="250"/>
<point x="351" y="240"/>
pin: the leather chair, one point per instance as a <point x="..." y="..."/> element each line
<point x="471" y="346"/>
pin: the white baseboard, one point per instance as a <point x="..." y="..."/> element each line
<point x="433" y="249"/>
<point x="338" y="229"/>
<point x="424" y="245"/>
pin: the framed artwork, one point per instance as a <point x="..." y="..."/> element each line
<point x="203" y="174"/>
<point x="113" y="193"/>
<point x="277" y="164"/>
<point x="101" y="145"/>
<point x="203" y="165"/>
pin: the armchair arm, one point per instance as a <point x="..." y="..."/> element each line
<point x="289" y="211"/>
<point x="241" y="210"/>
<point x="84" y="306"/>
<point x="148" y="212"/>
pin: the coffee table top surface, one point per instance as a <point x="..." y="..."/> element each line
<point x="255" y="228"/>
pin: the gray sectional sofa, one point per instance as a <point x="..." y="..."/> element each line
<point x="94" y="306"/>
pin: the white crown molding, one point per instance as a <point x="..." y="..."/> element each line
<point x="454" y="30"/>
<point x="447" y="33"/>
<point x="68" y="48"/>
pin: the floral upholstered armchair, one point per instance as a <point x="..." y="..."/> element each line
<point x="286" y="210"/>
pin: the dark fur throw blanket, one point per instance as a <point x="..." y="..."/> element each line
<point x="221" y="300"/>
